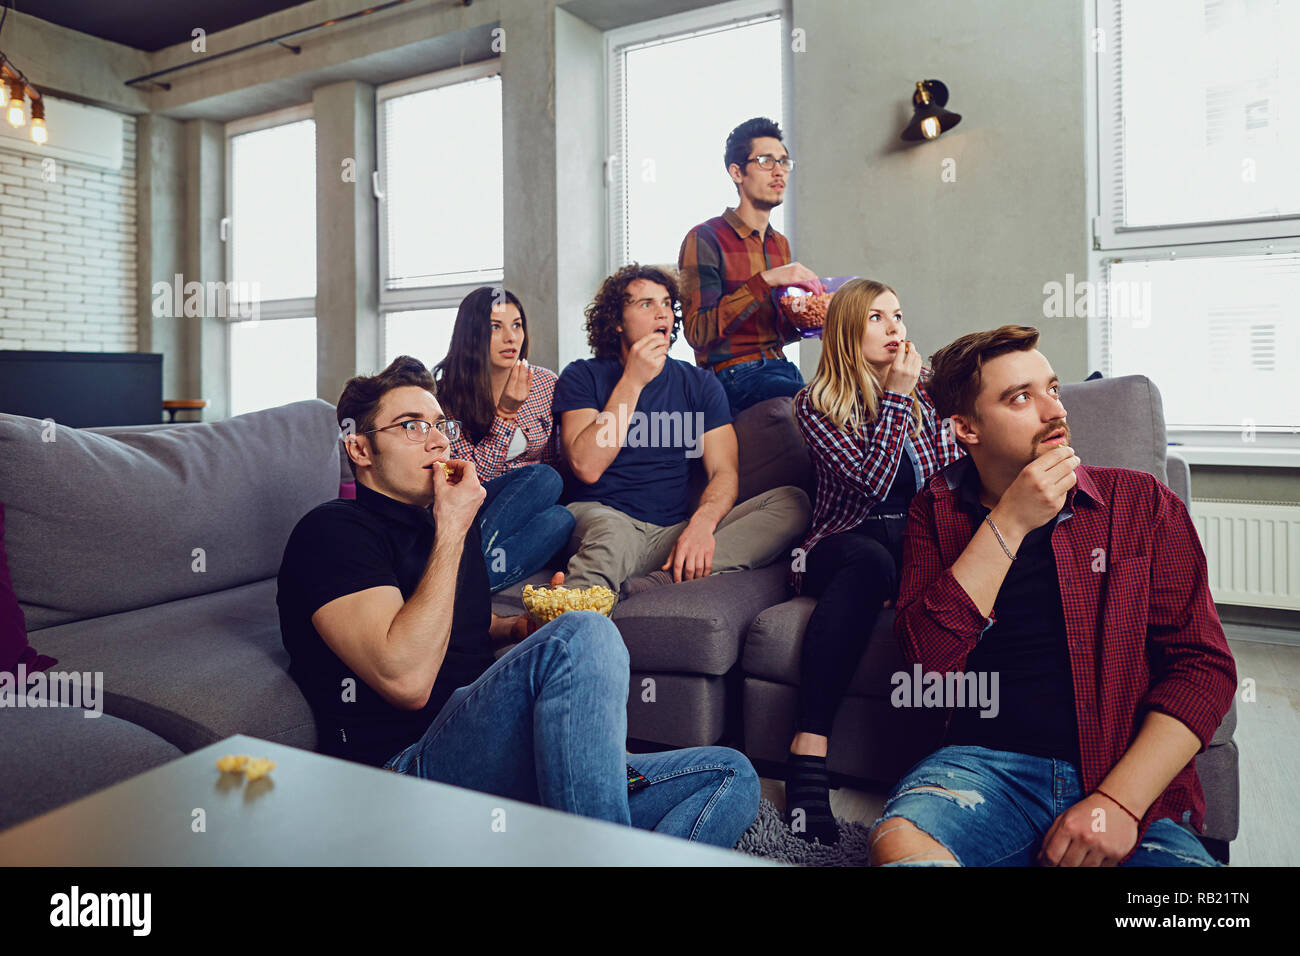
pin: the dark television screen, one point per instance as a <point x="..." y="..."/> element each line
<point x="82" y="389"/>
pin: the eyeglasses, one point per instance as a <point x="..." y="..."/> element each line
<point x="767" y="162"/>
<point x="417" y="429"/>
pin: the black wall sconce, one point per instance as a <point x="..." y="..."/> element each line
<point x="929" y="118"/>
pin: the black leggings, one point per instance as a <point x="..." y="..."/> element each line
<point x="851" y="575"/>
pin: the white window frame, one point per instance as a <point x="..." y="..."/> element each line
<point x="426" y="297"/>
<point x="268" y="310"/>
<point x="1109" y="230"/>
<point x="718" y="17"/>
<point x="1112" y="241"/>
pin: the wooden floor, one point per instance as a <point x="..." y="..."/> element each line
<point x="1268" y="738"/>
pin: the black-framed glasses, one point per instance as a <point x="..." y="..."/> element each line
<point x="417" y="429"/>
<point x="767" y="162"/>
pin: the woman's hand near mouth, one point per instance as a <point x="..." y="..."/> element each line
<point x="518" y="382"/>
<point x="905" y="370"/>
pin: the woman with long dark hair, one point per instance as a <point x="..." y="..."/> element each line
<point x="503" y="405"/>
<point x="874" y="440"/>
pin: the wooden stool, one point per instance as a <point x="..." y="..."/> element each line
<point x="173" y="405"/>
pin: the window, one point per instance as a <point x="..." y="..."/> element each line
<point x="271" y="259"/>
<point x="272" y="363"/>
<point x="678" y="86"/>
<point x="441" y="211"/>
<point x="1196" y="261"/>
<point x="1234" y="320"/>
<point x="1205" y="116"/>
<point x="422" y="333"/>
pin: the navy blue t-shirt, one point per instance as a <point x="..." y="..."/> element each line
<point x="650" y="478"/>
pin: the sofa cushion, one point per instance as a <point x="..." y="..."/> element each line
<point x="54" y="755"/>
<point x="102" y="523"/>
<point x="697" y="627"/>
<point x="194" y="671"/>
<point x="772" y="452"/>
<point x="1119" y="423"/>
<point x="676" y="710"/>
<point x="775" y="643"/>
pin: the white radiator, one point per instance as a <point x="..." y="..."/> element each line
<point x="1252" y="549"/>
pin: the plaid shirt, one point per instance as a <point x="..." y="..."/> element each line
<point x="727" y="308"/>
<point x="536" y="420"/>
<point x="855" y="470"/>
<point x="1142" y="630"/>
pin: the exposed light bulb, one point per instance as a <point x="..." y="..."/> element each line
<point x="40" y="135"/>
<point x="930" y="127"/>
<point x="17" y="115"/>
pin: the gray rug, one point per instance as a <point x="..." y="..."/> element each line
<point x="770" y="837"/>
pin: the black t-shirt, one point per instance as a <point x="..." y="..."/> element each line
<point x="342" y="547"/>
<point x="899" y="497"/>
<point x="1027" y="648"/>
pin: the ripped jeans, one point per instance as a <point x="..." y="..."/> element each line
<point x="993" y="808"/>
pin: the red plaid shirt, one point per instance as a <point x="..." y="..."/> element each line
<point x="1142" y="630"/>
<point x="727" y="308"/>
<point x="855" y="470"/>
<point x="536" y="420"/>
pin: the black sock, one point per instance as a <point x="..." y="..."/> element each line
<point x="808" y="799"/>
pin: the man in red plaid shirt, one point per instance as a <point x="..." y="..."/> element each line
<point x="1081" y="593"/>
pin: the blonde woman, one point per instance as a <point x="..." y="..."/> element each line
<point x="874" y="440"/>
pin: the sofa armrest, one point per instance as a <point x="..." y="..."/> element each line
<point x="698" y="627"/>
<point x="1180" y="477"/>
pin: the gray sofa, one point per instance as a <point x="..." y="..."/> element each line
<point x="103" y="527"/>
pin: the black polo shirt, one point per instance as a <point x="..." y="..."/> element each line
<point x="1028" y="649"/>
<point x="342" y="547"/>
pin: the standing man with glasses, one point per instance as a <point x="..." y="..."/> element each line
<point x="387" y="617"/>
<point x="731" y="268"/>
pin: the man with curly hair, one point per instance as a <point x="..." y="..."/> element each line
<point x="731" y="267"/>
<point x="631" y="421"/>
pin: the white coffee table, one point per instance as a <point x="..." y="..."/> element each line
<point x="314" y="810"/>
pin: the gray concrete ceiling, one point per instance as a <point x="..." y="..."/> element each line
<point x="149" y="24"/>
<point x="413" y="59"/>
<point x="611" y="14"/>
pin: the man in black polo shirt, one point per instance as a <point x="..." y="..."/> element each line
<point x="385" y="612"/>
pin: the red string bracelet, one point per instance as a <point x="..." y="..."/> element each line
<point x="1118" y="804"/>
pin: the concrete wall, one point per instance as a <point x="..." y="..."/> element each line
<point x="964" y="255"/>
<point x="347" y="237"/>
<point x="161" y="227"/>
<point x="207" y="368"/>
<point x="580" y="191"/>
<point x="530" y="167"/>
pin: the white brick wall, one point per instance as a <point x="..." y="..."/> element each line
<point x="67" y="254"/>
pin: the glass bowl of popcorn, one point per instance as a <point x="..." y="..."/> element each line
<point x="806" y="309"/>
<point x="546" y="604"/>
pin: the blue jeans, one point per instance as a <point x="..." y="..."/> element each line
<point x="749" y="383"/>
<point x="521" y="524"/>
<point x="995" y="808"/>
<point x="547" y="724"/>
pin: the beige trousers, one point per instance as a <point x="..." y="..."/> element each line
<point x="612" y="546"/>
